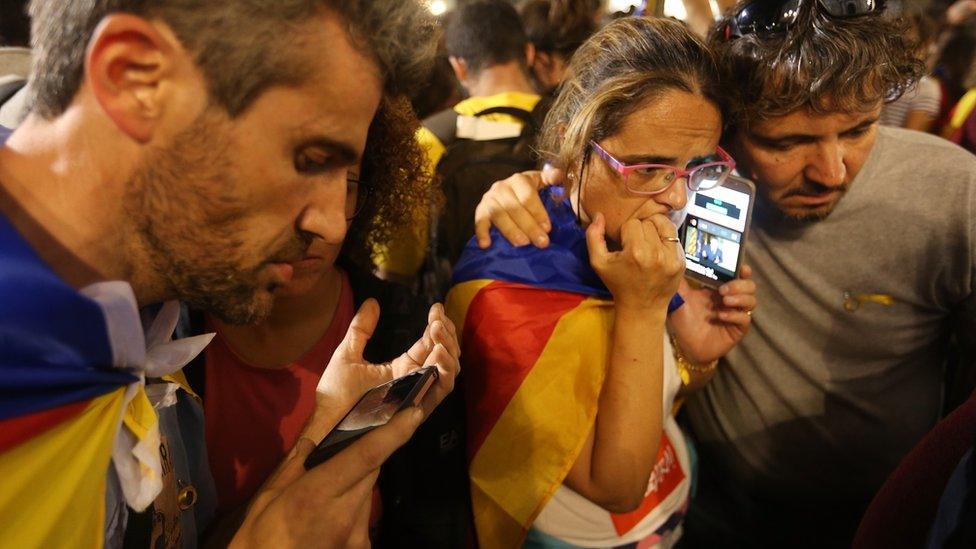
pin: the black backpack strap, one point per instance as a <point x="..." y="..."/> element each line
<point x="10" y="89"/>
<point x="443" y="125"/>
<point x="515" y="112"/>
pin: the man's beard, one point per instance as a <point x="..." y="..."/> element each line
<point x="185" y="204"/>
<point x="812" y="215"/>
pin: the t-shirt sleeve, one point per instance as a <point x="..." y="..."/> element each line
<point x="928" y="98"/>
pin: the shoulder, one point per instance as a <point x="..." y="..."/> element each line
<point x="918" y="154"/>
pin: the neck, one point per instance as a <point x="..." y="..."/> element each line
<point x="295" y="325"/>
<point x="65" y="197"/>
<point x="508" y="77"/>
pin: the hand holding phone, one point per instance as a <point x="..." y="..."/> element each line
<point x="375" y="408"/>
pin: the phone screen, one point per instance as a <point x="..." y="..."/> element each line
<point x="375" y="408"/>
<point x="714" y="232"/>
<point x="380" y="403"/>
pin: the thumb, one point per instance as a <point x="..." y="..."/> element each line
<point x="596" y="241"/>
<point x="360" y="330"/>
<point x="364" y="456"/>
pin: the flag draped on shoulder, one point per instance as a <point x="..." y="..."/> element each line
<point x="72" y="399"/>
<point x="535" y="327"/>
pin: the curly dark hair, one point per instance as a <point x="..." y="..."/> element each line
<point x="823" y="63"/>
<point x="393" y="167"/>
<point x="485" y="33"/>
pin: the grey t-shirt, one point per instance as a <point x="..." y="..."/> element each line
<point x="819" y="403"/>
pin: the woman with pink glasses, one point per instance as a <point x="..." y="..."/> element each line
<point x="575" y="354"/>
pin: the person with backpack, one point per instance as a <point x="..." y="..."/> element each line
<point x="484" y="138"/>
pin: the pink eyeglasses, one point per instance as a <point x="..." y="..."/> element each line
<point x="650" y="179"/>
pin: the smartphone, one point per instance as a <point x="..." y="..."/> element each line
<point x="714" y="233"/>
<point x="375" y="408"/>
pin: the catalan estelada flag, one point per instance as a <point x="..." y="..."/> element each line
<point x="72" y="400"/>
<point x="535" y="326"/>
<point x="61" y="405"/>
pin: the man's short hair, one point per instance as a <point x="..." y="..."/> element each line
<point x="821" y="63"/>
<point x="242" y="46"/>
<point x="485" y="33"/>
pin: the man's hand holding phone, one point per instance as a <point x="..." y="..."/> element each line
<point x="349" y="376"/>
<point x="329" y="504"/>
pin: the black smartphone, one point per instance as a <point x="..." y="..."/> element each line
<point x="375" y="408"/>
<point x="714" y="233"/>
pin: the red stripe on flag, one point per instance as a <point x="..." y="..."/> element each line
<point x="506" y="328"/>
<point x="15" y="430"/>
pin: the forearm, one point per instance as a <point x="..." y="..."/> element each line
<point x="628" y="425"/>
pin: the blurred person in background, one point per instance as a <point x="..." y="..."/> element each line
<point x="490" y="55"/>
<point x="556" y="28"/>
<point x="919" y="107"/>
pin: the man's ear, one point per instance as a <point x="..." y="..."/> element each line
<point x="128" y="63"/>
<point x="460" y="67"/>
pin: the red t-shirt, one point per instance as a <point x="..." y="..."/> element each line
<point x="254" y="415"/>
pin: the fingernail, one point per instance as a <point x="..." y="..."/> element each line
<point x="521" y="241"/>
<point x="483" y="244"/>
<point x="541" y="240"/>
<point x="546" y="226"/>
<point x="723" y="290"/>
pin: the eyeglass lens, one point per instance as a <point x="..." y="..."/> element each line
<point x="653" y="180"/>
<point x="357" y="193"/>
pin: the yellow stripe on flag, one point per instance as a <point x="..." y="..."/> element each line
<point x="458" y="299"/>
<point x="539" y="435"/>
<point x="54" y="484"/>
